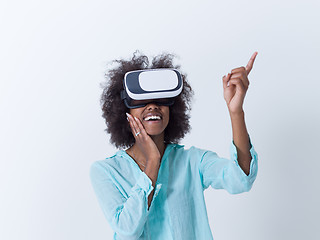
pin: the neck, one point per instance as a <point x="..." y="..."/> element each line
<point x="159" y="141"/>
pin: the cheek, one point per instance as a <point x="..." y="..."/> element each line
<point x="167" y="118"/>
<point x="135" y="112"/>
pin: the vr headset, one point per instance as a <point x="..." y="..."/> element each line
<point x="142" y="87"/>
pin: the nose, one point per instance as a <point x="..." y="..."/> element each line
<point x="152" y="105"/>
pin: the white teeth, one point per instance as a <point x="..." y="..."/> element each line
<point x="152" y="117"/>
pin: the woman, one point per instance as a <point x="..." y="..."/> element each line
<point x="154" y="188"/>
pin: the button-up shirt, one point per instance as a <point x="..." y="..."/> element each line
<point x="178" y="210"/>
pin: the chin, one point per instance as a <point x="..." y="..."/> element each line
<point x="154" y="132"/>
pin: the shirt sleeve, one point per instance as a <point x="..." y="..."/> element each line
<point x="126" y="215"/>
<point x="226" y="174"/>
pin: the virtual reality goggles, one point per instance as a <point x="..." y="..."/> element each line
<point x="160" y="86"/>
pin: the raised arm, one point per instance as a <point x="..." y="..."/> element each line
<point x="235" y="86"/>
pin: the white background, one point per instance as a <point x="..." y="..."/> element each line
<point x="53" y="57"/>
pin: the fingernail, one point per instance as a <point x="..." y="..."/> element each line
<point x="128" y="119"/>
<point x="136" y="118"/>
<point x="127" y="114"/>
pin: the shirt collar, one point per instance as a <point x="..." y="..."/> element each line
<point x="169" y="147"/>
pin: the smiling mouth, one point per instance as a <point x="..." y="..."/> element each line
<point x="152" y="118"/>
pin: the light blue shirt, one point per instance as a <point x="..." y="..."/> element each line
<point x="178" y="210"/>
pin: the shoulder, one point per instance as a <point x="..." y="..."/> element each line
<point x="192" y="152"/>
<point x="191" y="149"/>
<point x="107" y="165"/>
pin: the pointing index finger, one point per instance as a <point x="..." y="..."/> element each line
<point x="250" y="63"/>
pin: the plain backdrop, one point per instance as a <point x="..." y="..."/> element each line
<point x="53" y="56"/>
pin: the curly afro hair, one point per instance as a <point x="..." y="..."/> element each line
<point x="114" y="109"/>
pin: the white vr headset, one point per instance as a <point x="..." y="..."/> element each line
<point x="160" y="86"/>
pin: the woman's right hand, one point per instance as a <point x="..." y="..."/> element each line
<point x="144" y="142"/>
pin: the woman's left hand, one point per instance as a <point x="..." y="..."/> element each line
<point x="235" y="86"/>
